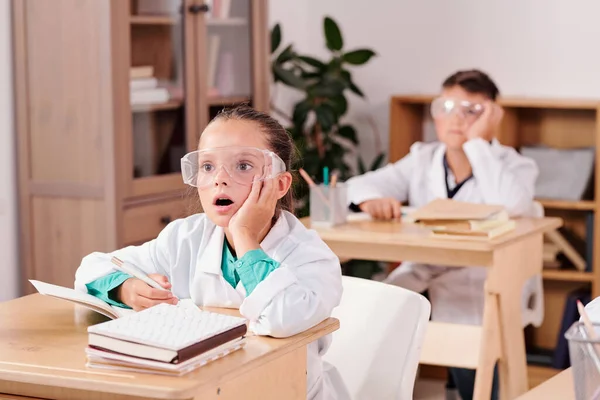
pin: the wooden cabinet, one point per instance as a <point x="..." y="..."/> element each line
<point x="109" y="95"/>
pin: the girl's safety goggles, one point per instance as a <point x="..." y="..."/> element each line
<point x="243" y="165"/>
<point x="444" y="106"/>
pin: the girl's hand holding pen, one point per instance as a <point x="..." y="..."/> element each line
<point x="138" y="295"/>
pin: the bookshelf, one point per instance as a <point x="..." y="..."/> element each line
<point x="106" y="107"/>
<point x="556" y="123"/>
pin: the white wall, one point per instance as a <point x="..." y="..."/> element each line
<point x="541" y="48"/>
<point x="8" y="211"/>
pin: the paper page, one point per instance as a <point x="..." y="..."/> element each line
<point x="448" y="209"/>
<point x="86" y="300"/>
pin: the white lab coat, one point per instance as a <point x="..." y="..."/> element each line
<point x="301" y="293"/>
<point x="500" y="176"/>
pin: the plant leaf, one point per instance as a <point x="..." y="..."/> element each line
<point x="286" y="55"/>
<point x="333" y="36"/>
<point x="358" y="57"/>
<point x="356" y="90"/>
<point x="288" y="77"/>
<point x="361" y="166"/>
<point x="377" y="162"/>
<point x="275" y="38"/>
<point x="301" y="111"/>
<point x="348" y="132"/>
<point x="325" y="116"/>
<point x="313" y="62"/>
<point x="339" y="104"/>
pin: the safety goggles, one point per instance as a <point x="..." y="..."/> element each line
<point x="444" y="106"/>
<point x="243" y="165"/>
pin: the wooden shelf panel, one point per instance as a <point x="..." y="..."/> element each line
<point x="515" y="102"/>
<point x="226" y="22"/>
<point x="153" y="20"/>
<point x="171" y="105"/>
<point x="567" y="275"/>
<point x="227" y="100"/>
<point x="583" y="205"/>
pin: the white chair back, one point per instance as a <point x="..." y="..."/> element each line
<point x="377" y="348"/>
<point x="532" y="301"/>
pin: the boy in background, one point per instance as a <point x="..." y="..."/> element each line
<point x="467" y="163"/>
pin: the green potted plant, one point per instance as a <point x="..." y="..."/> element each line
<point x="316" y="121"/>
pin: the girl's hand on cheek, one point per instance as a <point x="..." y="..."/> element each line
<point x="253" y="217"/>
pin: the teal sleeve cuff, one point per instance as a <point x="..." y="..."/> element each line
<point x="102" y="287"/>
<point x="254" y="267"/>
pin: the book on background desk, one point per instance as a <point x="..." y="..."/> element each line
<point x="167" y="338"/>
<point x="447" y="218"/>
<point x="83" y="299"/>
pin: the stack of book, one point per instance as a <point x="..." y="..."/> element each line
<point x="447" y="218"/>
<point x="144" y="87"/>
<point x="165" y="339"/>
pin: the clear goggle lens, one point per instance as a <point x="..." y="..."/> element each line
<point x="243" y="165"/>
<point x="443" y="106"/>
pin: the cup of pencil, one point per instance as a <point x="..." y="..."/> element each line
<point x="584" y="353"/>
<point x="328" y="200"/>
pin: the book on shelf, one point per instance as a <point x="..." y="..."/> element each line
<point x="149" y="96"/>
<point x="165" y="339"/>
<point x="143" y="83"/>
<point x="144" y="88"/>
<point x="139" y="72"/>
<point x="447" y="218"/>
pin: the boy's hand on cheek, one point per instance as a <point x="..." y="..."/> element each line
<point x="254" y="216"/>
<point x="485" y="126"/>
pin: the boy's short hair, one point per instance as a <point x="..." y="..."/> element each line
<point x="473" y="81"/>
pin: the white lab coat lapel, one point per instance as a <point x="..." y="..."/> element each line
<point x="436" y="178"/>
<point x="210" y="287"/>
<point x="270" y="243"/>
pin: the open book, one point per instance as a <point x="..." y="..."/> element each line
<point x="84" y="299"/>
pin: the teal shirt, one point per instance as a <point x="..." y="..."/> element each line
<point x="251" y="269"/>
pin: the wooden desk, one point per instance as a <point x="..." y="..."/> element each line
<point x="559" y="386"/>
<point x="42" y="343"/>
<point x="512" y="258"/>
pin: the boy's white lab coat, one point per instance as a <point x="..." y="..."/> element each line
<point x="500" y="176"/>
<point x="301" y="293"/>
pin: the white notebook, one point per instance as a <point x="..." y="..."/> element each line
<point x="167" y="326"/>
<point x="84" y="299"/>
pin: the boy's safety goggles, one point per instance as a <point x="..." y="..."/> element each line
<point x="444" y="106"/>
<point x="202" y="168"/>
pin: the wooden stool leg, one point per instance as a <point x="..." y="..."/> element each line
<point x="489" y="352"/>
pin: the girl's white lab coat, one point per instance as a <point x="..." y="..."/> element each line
<point x="301" y="293"/>
<point x="500" y="176"/>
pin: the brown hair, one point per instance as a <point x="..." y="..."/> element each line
<point x="279" y="141"/>
<point x="473" y="81"/>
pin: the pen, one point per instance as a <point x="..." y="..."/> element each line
<point x="326" y="176"/>
<point x="131" y="269"/>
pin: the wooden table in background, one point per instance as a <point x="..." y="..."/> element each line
<point x="558" y="387"/>
<point x="42" y="342"/>
<point x="512" y="258"/>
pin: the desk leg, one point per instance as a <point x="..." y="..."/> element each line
<point x="513" y="265"/>
<point x="282" y="378"/>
